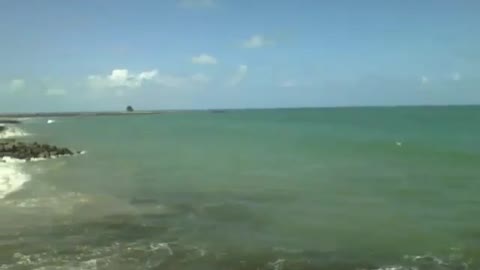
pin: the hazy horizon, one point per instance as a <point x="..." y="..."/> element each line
<point x="154" y="111"/>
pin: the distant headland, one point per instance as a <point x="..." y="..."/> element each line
<point x="72" y="114"/>
<point x="128" y="111"/>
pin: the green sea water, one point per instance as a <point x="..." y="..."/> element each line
<point x="338" y="189"/>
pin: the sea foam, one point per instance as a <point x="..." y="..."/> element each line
<point x="12" y="178"/>
<point x="12" y="132"/>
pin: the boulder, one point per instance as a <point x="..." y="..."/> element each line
<point x="9" y="147"/>
<point x="65" y="151"/>
<point x="27" y="151"/>
<point x="21" y="155"/>
<point x="21" y="145"/>
<point x="6" y="154"/>
<point x="35" y="151"/>
<point x="44" y="155"/>
<point x="9" y="121"/>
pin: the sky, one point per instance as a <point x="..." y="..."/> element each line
<point x="91" y="55"/>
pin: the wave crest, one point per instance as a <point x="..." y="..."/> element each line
<point x="12" y="132"/>
<point x="12" y="178"/>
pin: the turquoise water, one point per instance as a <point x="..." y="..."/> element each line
<point x="352" y="188"/>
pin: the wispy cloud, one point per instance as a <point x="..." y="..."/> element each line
<point x="238" y="76"/>
<point x="16" y="85"/>
<point x="122" y="78"/>
<point x="196" y="3"/>
<point x="256" y="41"/>
<point x="204" y="59"/>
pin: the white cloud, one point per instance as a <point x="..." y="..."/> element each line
<point x="256" y="41"/>
<point x="148" y="75"/>
<point x="288" y="84"/>
<point x="122" y="78"/>
<point x="204" y="59"/>
<point x="424" y="79"/>
<point x="55" y="92"/>
<point x="239" y="75"/>
<point x="196" y="3"/>
<point x="17" y="84"/>
<point x="456" y="76"/>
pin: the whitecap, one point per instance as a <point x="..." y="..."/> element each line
<point x="50" y="121"/>
<point x="12" y="160"/>
<point x="12" y="178"/>
<point x="58" y="204"/>
<point x="12" y="132"/>
<point x="7" y="159"/>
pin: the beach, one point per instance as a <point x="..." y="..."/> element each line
<point x="338" y="189"/>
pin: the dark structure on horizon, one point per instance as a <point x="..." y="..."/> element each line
<point x="129" y="108"/>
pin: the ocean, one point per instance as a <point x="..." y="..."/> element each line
<point x="330" y="189"/>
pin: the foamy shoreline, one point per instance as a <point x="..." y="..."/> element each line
<point x="14" y="153"/>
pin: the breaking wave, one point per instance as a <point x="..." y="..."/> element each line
<point x="12" y="178"/>
<point x="12" y="132"/>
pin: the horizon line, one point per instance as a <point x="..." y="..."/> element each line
<point x="159" y="111"/>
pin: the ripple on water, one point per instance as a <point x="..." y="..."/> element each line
<point x="145" y="254"/>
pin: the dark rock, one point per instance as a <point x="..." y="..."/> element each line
<point x="66" y="151"/>
<point x="7" y="141"/>
<point x="10" y="147"/>
<point x="21" y="155"/>
<point x="21" y="145"/>
<point x="6" y="154"/>
<point x="44" y="155"/>
<point x="9" y="121"/>
<point x="35" y="151"/>
<point x="27" y="151"/>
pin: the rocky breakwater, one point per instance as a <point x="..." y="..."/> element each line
<point x="28" y="151"/>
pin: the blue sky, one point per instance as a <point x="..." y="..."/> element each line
<point x="61" y="55"/>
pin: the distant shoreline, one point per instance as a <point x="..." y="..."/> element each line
<point x="75" y="114"/>
<point x="153" y="112"/>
